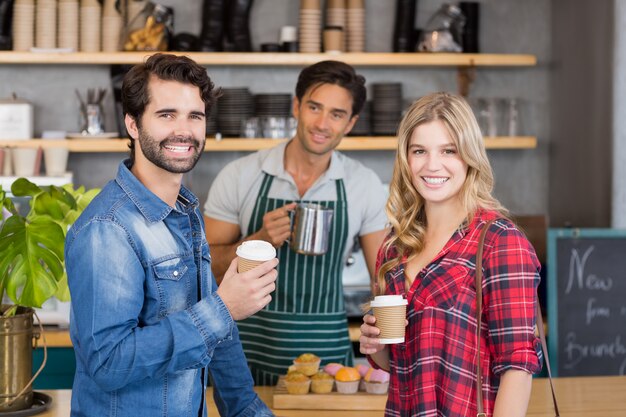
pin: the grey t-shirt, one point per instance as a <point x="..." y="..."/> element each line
<point x="233" y="194"/>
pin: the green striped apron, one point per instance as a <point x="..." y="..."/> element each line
<point x="307" y="311"/>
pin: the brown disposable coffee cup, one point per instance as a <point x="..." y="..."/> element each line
<point x="253" y="253"/>
<point x="390" y="313"/>
<point x="333" y="39"/>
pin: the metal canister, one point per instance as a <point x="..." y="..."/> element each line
<point x="16" y="351"/>
<point x="311" y="229"/>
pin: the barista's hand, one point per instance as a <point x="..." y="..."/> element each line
<point x="368" y="342"/>
<point x="245" y="294"/>
<point x="276" y="225"/>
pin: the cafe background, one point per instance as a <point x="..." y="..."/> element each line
<point x="573" y="177"/>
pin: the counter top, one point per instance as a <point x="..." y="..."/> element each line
<point x="579" y="397"/>
<point x="61" y="337"/>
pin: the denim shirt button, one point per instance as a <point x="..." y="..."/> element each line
<point x="175" y="273"/>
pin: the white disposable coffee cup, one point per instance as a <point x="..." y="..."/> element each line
<point x="252" y="253"/>
<point x="288" y="34"/>
<point x="390" y="313"/>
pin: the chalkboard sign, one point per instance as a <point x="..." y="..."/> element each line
<point x="587" y="301"/>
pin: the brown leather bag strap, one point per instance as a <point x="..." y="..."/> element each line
<point x="479" y="309"/>
<point x="544" y="347"/>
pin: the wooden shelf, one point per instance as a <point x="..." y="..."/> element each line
<point x="374" y="143"/>
<point x="373" y="59"/>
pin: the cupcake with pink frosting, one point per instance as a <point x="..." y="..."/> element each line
<point x="332" y="368"/>
<point x="363" y="371"/>
<point x="376" y="381"/>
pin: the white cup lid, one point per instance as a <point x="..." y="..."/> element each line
<point x="256" y="250"/>
<point x="388" y="301"/>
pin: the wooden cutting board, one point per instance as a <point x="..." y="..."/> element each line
<point x="331" y="401"/>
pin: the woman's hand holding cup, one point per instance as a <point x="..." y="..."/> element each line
<point x="368" y="342"/>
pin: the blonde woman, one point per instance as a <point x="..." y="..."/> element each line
<point x="440" y="198"/>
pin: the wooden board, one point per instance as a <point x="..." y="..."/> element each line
<point x="331" y="401"/>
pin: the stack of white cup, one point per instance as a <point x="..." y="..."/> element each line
<point x="23" y="25"/>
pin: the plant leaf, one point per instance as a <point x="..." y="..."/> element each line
<point x="21" y="187"/>
<point x="32" y="263"/>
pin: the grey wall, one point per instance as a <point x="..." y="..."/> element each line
<point x="581" y="87"/>
<point x="507" y="26"/>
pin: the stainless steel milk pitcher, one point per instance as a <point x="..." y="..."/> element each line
<point x="310" y="230"/>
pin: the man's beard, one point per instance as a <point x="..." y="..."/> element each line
<point x="153" y="151"/>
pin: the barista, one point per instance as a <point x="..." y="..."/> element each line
<point x="251" y="199"/>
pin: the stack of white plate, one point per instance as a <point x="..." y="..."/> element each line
<point x="68" y="24"/>
<point x="90" y="24"/>
<point x="23" y="25"/>
<point x="336" y="17"/>
<point x="111" y="27"/>
<point x="310" y="26"/>
<point x="355" y="24"/>
<point x="46" y="24"/>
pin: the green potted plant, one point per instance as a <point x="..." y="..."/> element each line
<point x="32" y="270"/>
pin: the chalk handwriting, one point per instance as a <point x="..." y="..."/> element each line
<point x="577" y="274"/>
<point x="577" y="352"/>
<point x="593" y="311"/>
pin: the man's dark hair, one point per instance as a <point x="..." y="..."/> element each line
<point x="333" y="72"/>
<point x="135" y="93"/>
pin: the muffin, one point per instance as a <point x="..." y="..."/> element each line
<point x="362" y="371"/>
<point x="307" y="363"/>
<point x="332" y="368"/>
<point x="297" y="383"/>
<point x="322" y="383"/>
<point x="347" y="380"/>
<point x="376" y="381"/>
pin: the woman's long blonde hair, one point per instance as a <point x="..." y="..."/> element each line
<point x="405" y="207"/>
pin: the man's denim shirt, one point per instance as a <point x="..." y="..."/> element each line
<point x="144" y="343"/>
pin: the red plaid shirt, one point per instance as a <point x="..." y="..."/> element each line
<point x="433" y="373"/>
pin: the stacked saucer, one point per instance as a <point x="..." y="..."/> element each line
<point x="310" y="26"/>
<point x="68" y="24"/>
<point x="46" y="24"/>
<point x="90" y="15"/>
<point x="235" y="105"/>
<point x="355" y="24"/>
<point x="23" y="25"/>
<point x="272" y="105"/>
<point x="362" y="127"/>
<point x="387" y="108"/>
<point x="336" y="17"/>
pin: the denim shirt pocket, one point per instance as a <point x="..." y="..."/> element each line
<point x="172" y="285"/>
